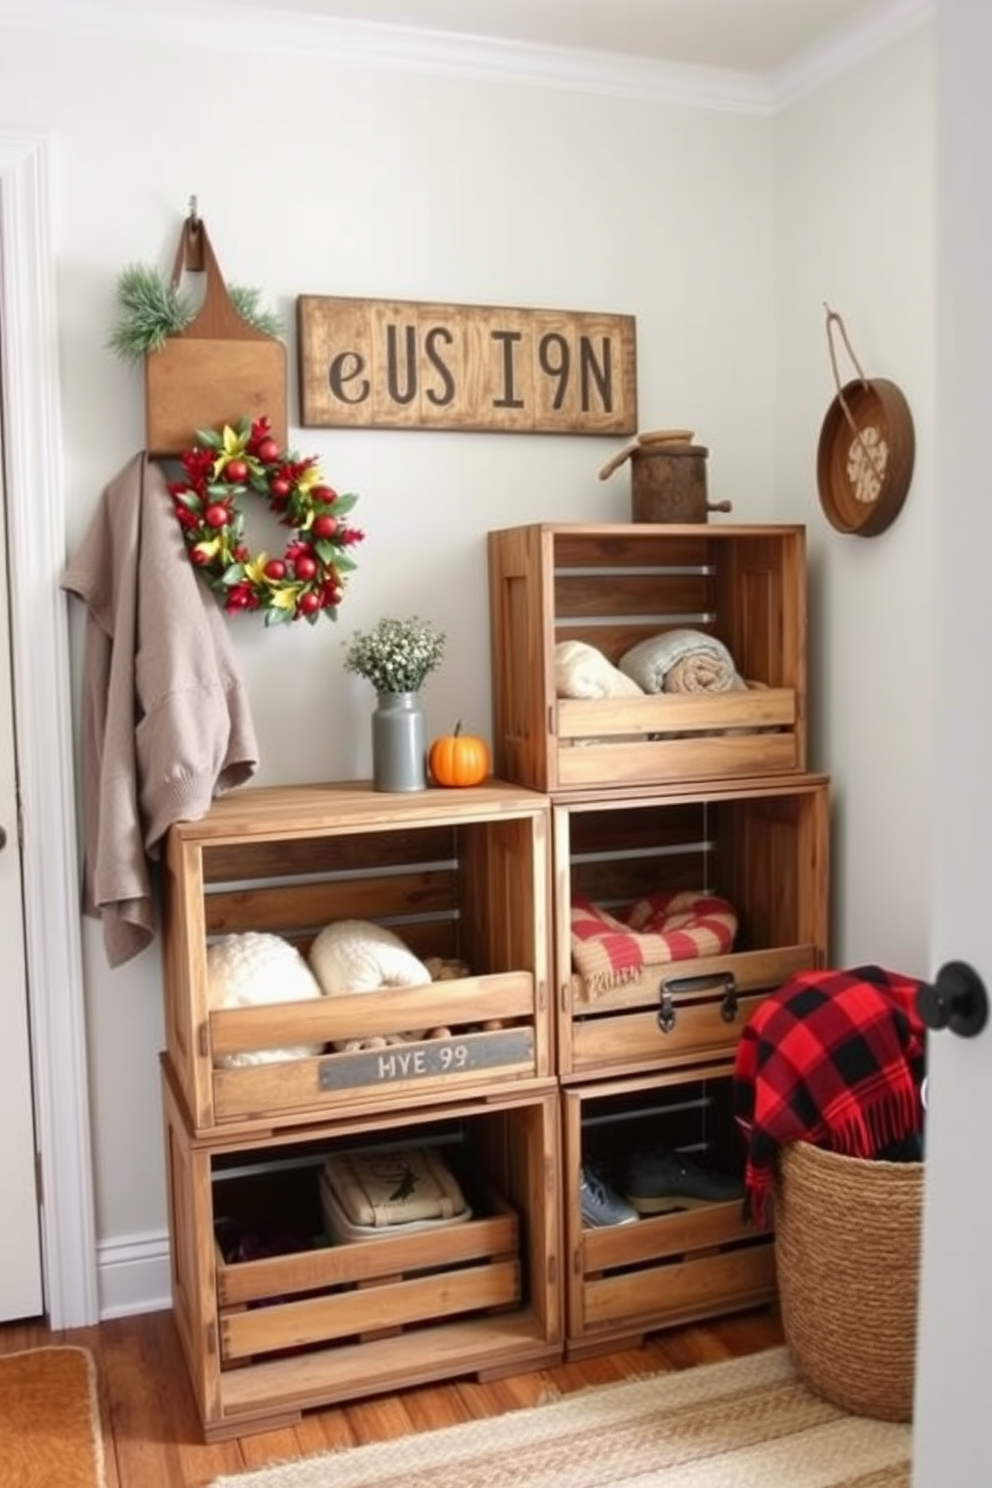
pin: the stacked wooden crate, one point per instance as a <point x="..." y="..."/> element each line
<point x="696" y="792"/>
<point x="272" y="1324"/>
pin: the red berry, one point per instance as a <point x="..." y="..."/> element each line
<point x="305" y="567"/>
<point x="280" y="486"/>
<point x="309" y="602"/>
<point x="216" y="515"/>
<point x="324" y="493"/>
<point x="199" y="556"/>
<point x="275" y="569"/>
<point x="236" y="471"/>
<point x="325" y="525"/>
<point x="268" y="451"/>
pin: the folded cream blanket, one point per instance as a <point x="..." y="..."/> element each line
<point x="254" y="968"/>
<point x="350" y="956"/>
<point x="583" y="672"/>
<point x="682" y="661"/>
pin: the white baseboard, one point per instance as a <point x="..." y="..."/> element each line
<point x="133" y="1275"/>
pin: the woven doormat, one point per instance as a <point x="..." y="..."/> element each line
<point x="50" y="1433"/>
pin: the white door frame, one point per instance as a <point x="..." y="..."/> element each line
<point x="43" y="729"/>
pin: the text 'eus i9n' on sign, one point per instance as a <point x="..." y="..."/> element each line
<point x="400" y="364"/>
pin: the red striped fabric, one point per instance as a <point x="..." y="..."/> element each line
<point x="676" y="926"/>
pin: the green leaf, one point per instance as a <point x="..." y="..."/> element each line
<point x="344" y="504"/>
<point x="209" y="438"/>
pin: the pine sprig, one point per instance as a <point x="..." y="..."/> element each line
<point x="151" y="309"/>
<point x="245" y="301"/>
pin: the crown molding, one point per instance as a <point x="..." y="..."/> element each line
<point x="405" y="48"/>
<point x="846" y="48"/>
<point x="398" y="47"/>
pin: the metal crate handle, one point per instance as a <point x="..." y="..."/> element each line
<point x="669" y="989"/>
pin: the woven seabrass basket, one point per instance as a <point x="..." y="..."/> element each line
<point x="847" y="1248"/>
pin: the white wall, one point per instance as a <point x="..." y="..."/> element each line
<point x="323" y="177"/>
<point x="855" y="228"/>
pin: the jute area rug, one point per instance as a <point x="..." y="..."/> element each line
<point x="50" y="1420"/>
<point x="744" y="1423"/>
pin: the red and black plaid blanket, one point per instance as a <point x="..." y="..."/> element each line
<point x="832" y="1057"/>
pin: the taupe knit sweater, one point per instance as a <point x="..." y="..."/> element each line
<point x="166" y="723"/>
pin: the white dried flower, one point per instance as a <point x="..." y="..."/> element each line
<point x="397" y="655"/>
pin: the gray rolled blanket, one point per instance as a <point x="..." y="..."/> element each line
<point x="682" y="660"/>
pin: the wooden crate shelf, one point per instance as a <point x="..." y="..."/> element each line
<point x="612" y="800"/>
<point x="276" y="1316"/>
<point x="624" y="1281"/>
<point x="457" y="874"/>
<point x="761" y="844"/>
<point x="613" y="585"/>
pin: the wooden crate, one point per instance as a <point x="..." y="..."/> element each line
<point x="267" y="1337"/>
<point x="624" y="1281"/>
<point x="456" y="873"/>
<point x="612" y="585"/>
<point x="761" y="844"/>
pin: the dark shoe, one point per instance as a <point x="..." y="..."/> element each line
<point x="660" y="1180"/>
<point x="600" y="1204"/>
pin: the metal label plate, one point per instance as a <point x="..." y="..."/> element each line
<point x="402" y="1062"/>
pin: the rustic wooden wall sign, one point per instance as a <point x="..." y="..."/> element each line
<point x="400" y="364"/>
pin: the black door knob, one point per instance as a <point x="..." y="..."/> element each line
<point x="957" y="1000"/>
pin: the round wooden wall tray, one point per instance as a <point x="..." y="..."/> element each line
<point x="864" y="462"/>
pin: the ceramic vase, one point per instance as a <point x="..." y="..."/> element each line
<point x="399" y="742"/>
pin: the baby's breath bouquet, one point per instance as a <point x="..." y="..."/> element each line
<point x="396" y="655"/>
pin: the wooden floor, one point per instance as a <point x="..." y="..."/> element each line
<point x="152" y="1433"/>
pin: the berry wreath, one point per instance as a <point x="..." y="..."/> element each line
<point x="309" y="579"/>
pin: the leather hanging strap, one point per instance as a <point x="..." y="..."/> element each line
<point x="216" y="319"/>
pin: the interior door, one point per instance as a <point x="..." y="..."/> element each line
<point x="20" y="1272"/>
<point x="953" y="1436"/>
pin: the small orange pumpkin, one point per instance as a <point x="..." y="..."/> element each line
<point x="458" y="759"/>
